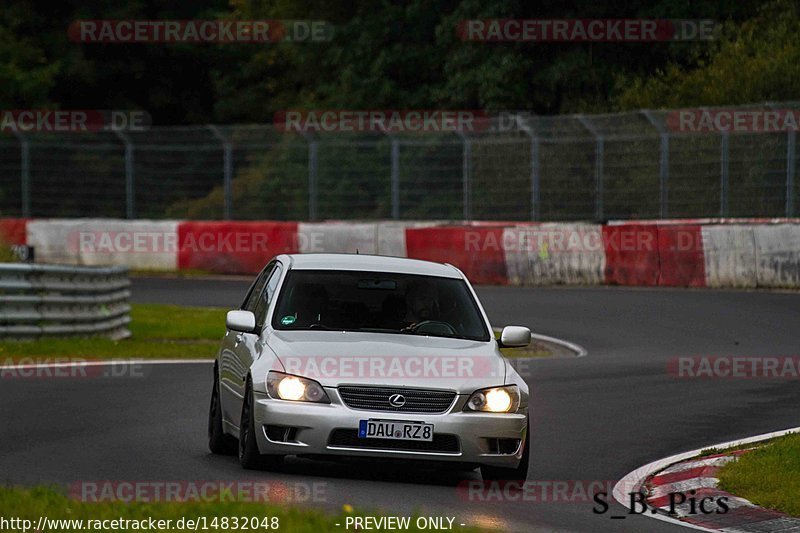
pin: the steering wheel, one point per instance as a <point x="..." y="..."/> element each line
<point x="435" y="327"/>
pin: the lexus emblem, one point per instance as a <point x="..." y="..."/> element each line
<point x="397" y="400"/>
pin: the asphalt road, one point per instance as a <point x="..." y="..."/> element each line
<point x="594" y="418"/>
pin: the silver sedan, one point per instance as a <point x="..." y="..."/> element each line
<point x="334" y="355"/>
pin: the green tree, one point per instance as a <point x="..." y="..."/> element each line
<point x="27" y="74"/>
<point x="756" y="61"/>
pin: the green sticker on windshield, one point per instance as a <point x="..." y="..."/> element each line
<point x="288" y="320"/>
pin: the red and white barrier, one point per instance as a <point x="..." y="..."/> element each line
<point x="338" y="237"/>
<point x="233" y="247"/>
<point x="476" y="250"/>
<point x="778" y="255"/>
<point x="392" y="236"/>
<point x="729" y="254"/>
<point x="631" y="252"/>
<point x="12" y="231"/>
<point x="139" y="244"/>
<point x="548" y="254"/>
<point x="678" y="253"/>
<point x="654" y="254"/>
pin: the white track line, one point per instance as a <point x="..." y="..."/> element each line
<point x="579" y="350"/>
<point x="634" y="480"/>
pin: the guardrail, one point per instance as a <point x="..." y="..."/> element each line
<point x="55" y="300"/>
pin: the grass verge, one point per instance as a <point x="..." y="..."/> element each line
<point x="768" y="476"/>
<point x="31" y="504"/>
<point x="157" y="331"/>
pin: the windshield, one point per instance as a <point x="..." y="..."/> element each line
<point x="378" y="302"/>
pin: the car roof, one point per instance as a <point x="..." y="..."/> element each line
<point x="371" y="263"/>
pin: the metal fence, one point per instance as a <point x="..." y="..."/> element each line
<point x="50" y="300"/>
<point x="582" y="167"/>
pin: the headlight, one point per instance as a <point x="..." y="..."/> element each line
<point x="294" y="388"/>
<point x="495" y="400"/>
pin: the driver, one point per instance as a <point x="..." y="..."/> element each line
<point x="421" y="303"/>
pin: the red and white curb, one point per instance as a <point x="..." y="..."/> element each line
<point x="696" y="478"/>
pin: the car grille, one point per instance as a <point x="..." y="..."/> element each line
<point x="416" y="400"/>
<point x="348" y="438"/>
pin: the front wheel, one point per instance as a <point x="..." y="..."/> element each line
<point x="249" y="456"/>
<point x="520" y="473"/>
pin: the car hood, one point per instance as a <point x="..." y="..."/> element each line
<point x="337" y="358"/>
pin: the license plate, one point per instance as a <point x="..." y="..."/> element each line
<point x="393" y="429"/>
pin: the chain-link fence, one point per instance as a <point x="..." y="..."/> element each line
<point x="617" y="166"/>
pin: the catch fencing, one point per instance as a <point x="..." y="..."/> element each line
<point x="62" y="301"/>
<point x="635" y="165"/>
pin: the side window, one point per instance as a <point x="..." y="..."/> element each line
<point x="257" y="288"/>
<point x="265" y="298"/>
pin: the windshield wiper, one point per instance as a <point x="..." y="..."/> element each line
<point x="438" y="335"/>
<point x="325" y="327"/>
<point x="320" y="325"/>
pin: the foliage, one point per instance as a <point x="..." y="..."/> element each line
<point x="757" y="61"/>
<point x="385" y="54"/>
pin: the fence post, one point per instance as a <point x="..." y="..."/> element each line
<point x="724" y="174"/>
<point x="395" y="177"/>
<point x="466" y="176"/>
<point x="313" y="168"/>
<point x="599" y="156"/>
<point x="663" y="168"/>
<point x="25" y="174"/>
<point x="227" y="171"/>
<point x="535" y="207"/>
<point x="791" y="140"/>
<point x="130" y="207"/>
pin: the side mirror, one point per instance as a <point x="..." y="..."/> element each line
<point x="515" y="337"/>
<point x="243" y="321"/>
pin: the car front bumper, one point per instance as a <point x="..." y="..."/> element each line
<point x="312" y="428"/>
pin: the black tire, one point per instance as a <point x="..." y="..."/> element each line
<point x="249" y="456"/>
<point x="520" y="473"/>
<point x="219" y="442"/>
